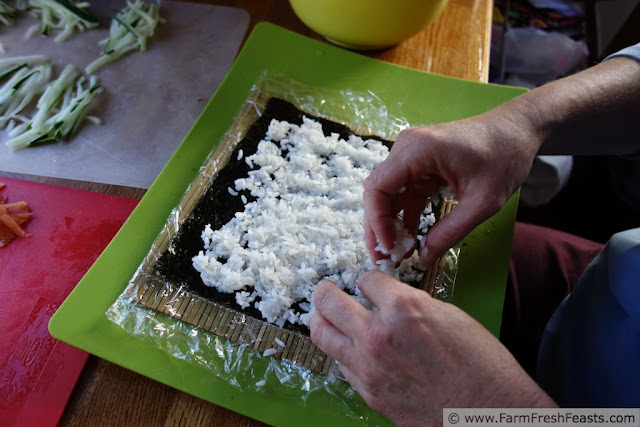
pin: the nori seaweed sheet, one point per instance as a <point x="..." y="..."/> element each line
<point x="217" y="207"/>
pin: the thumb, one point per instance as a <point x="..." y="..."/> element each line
<point x="471" y="211"/>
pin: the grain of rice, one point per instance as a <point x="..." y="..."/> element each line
<point x="403" y="243"/>
<point x="232" y="191"/>
<point x="261" y="383"/>
<point x="279" y="342"/>
<point x="240" y="154"/>
<point x="270" y="352"/>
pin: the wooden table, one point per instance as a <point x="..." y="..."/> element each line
<point x="456" y="45"/>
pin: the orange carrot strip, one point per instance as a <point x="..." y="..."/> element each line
<point x="13" y="226"/>
<point x="21" y="214"/>
<point x="21" y="217"/>
<point x="12" y="215"/>
<point x="15" y="205"/>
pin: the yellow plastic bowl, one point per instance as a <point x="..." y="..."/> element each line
<point x="367" y="24"/>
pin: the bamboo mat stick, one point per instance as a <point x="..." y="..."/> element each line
<point x="434" y="275"/>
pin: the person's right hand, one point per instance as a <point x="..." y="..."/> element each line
<point x="483" y="159"/>
<point x="415" y="355"/>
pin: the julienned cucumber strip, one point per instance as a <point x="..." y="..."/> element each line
<point x="129" y="30"/>
<point x="17" y="60"/>
<point x="77" y="11"/>
<point x="23" y="79"/>
<point x="65" y="15"/>
<point x="7" y="13"/>
<point x="126" y="26"/>
<point x="10" y="71"/>
<point x="60" y="109"/>
<point x="21" y="87"/>
<point x="54" y="93"/>
<point x="47" y="139"/>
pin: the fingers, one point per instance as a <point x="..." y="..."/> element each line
<point x="382" y="207"/>
<point x="339" y="308"/>
<point x="379" y="195"/>
<point x="404" y="181"/>
<point x="337" y="319"/>
<point x="383" y="190"/>
<point x="371" y="242"/>
<point x="329" y="338"/>
<point x="417" y="200"/>
<point x="452" y="228"/>
<point x="379" y="287"/>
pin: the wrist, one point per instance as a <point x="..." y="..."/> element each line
<point x="533" y="123"/>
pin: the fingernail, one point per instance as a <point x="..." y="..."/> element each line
<point x="423" y="244"/>
<point x="325" y="281"/>
<point x="424" y="250"/>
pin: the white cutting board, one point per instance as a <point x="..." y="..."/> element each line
<point x="150" y="100"/>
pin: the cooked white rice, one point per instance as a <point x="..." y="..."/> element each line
<point x="306" y="224"/>
<point x="403" y="243"/>
<point x="270" y="352"/>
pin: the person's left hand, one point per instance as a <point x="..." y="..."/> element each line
<point x="415" y="355"/>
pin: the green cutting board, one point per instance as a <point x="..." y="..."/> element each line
<point x="419" y="97"/>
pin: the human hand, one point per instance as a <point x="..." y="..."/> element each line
<point x="416" y="355"/>
<point x="483" y="159"/>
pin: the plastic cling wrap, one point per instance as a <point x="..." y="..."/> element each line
<point x="167" y="303"/>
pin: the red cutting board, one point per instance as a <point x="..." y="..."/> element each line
<point x="69" y="229"/>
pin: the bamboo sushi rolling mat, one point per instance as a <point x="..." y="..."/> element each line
<point x="229" y="323"/>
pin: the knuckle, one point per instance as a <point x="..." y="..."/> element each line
<point x="399" y="302"/>
<point x="376" y="339"/>
<point x="370" y="185"/>
<point x="409" y="136"/>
